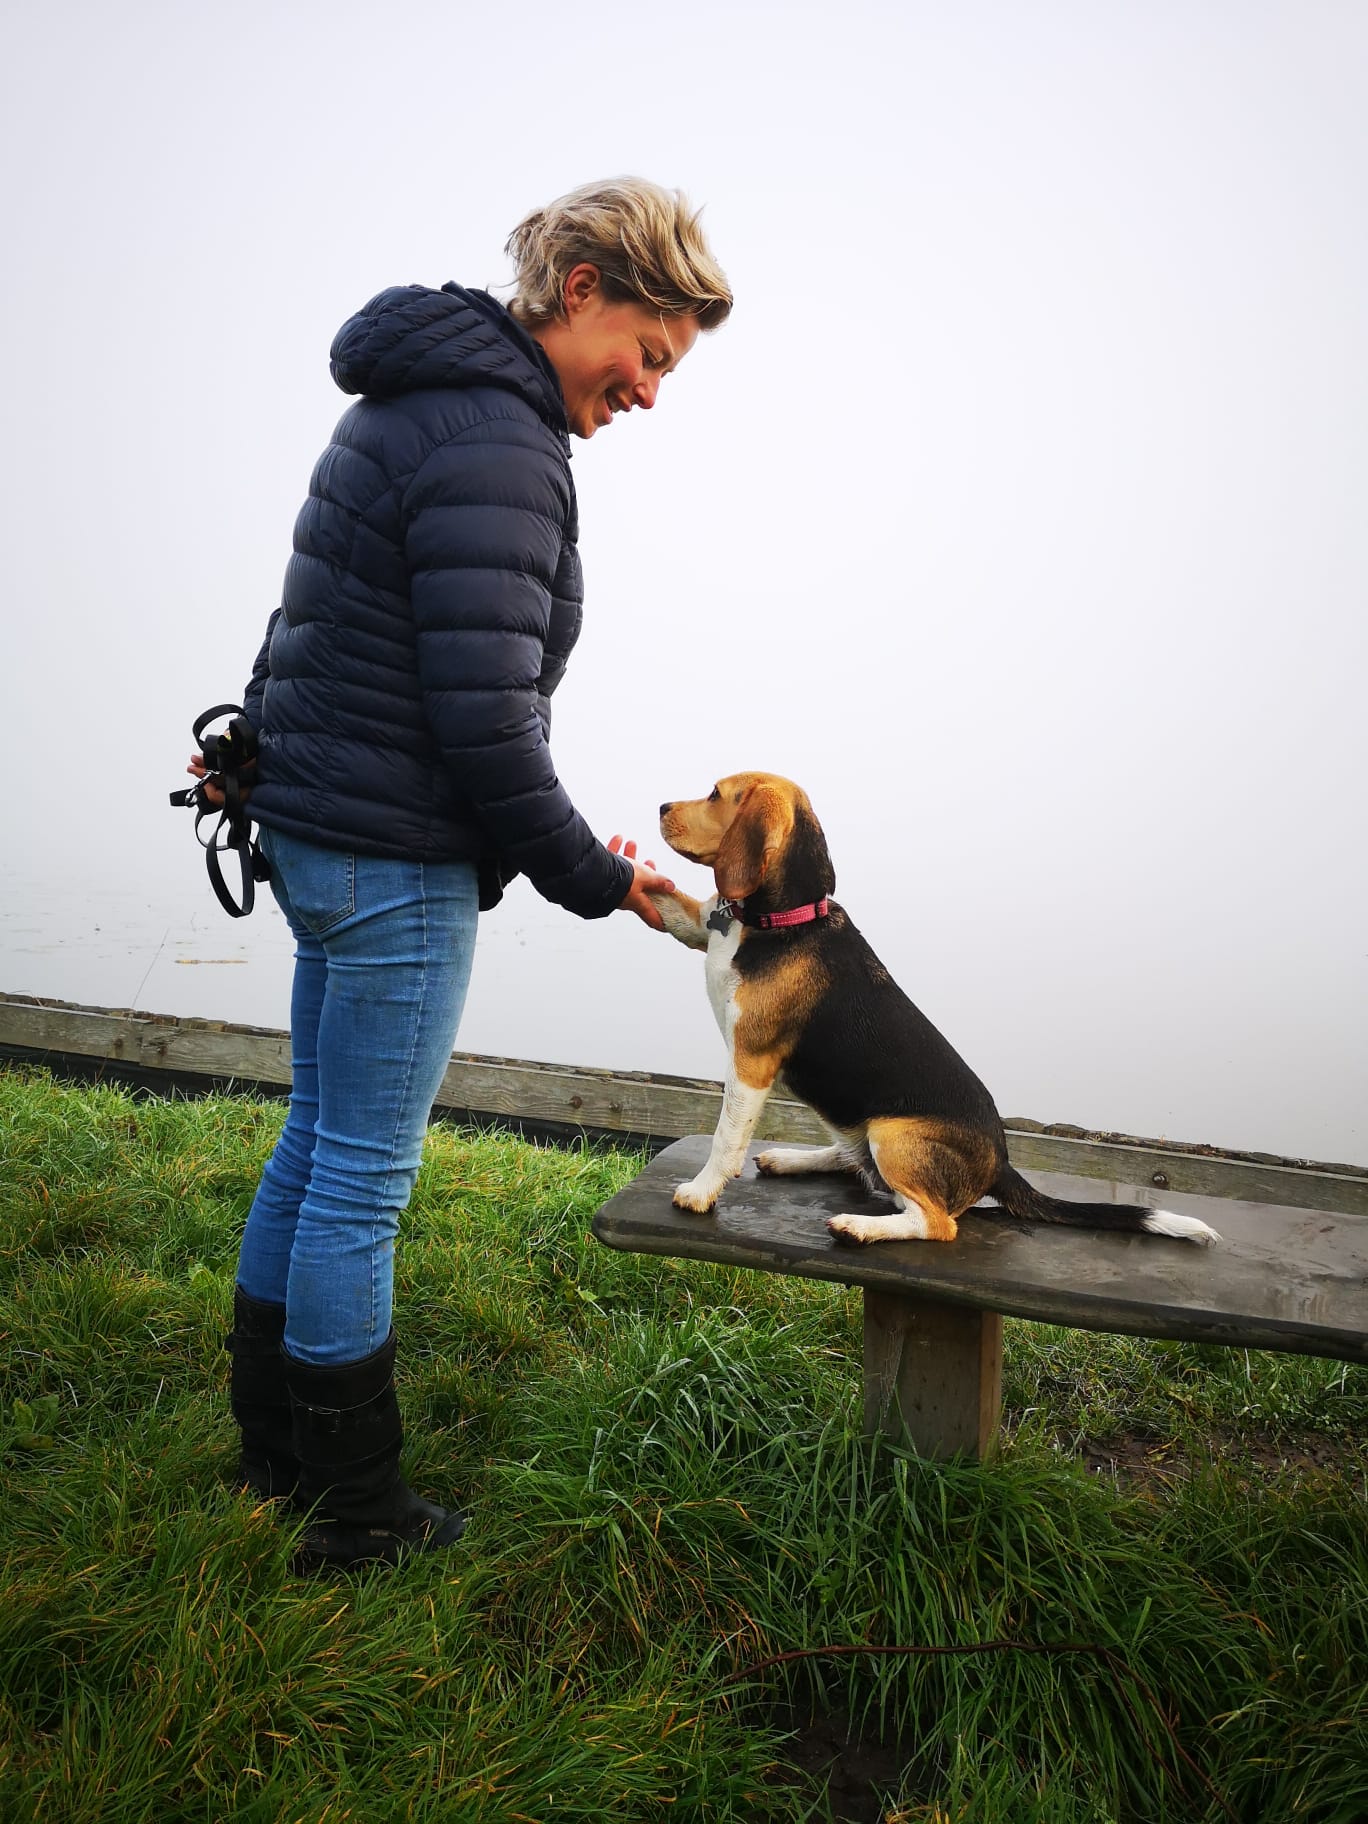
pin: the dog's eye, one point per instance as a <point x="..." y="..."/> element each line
<point x="714" y="795"/>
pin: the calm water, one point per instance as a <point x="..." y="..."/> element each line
<point x="545" y="985"/>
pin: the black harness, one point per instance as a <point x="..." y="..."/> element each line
<point x="227" y="756"/>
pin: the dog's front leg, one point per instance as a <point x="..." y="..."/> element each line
<point x="682" y="917"/>
<point x="742" y="1104"/>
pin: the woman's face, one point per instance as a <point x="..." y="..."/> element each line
<point x="610" y="356"/>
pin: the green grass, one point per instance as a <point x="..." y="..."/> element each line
<point x="662" y="1467"/>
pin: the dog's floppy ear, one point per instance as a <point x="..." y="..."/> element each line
<point x="757" y="834"/>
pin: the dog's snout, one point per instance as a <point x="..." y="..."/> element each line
<point x="665" y="809"/>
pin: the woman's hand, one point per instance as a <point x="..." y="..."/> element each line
<point x="213" y="790"/>
<point x="645" y="882"/>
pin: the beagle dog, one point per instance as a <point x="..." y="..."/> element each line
<point x="797" y="990"/>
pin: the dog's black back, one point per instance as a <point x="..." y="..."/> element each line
<point x="865" y="1049"/>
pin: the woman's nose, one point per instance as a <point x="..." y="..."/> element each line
<point x="645" y="390"/>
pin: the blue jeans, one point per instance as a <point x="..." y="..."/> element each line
<point x="382" y="960"/>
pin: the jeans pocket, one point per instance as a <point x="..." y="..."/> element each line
<point x="320" y="883"/>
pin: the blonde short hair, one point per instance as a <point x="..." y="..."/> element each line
<point x="646" y="243"/>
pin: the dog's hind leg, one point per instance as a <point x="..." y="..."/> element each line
<point x="913" y="1222"/>
<point x="933" y="1172"/>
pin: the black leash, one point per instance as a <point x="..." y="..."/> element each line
<point x="227" y="755"/>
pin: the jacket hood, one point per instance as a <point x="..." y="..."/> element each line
<point x="411" y="337"/>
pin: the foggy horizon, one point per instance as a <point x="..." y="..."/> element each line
<point x="1017" y="513"/>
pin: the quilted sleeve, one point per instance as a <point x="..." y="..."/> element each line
<point x="256" y="689"/>
<point x="484" y="522"/>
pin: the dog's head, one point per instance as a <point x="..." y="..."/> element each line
<point x="753" y="828"/>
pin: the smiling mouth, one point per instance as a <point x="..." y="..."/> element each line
<point x="607" y="408"/>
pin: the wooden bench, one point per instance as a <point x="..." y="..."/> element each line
<point x="1282" y="1278"/>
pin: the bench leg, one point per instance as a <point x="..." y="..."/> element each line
<point x="932" y="1374"/>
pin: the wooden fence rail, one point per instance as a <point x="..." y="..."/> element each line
<point x="162" y="1051"/>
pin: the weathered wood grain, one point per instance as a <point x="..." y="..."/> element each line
<point x="932" y="1375"/>
<point x="1281" y="1278"/>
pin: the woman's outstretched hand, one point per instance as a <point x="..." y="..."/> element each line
<point x="645" y="882"/>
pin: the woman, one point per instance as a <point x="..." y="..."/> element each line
<point x="401" y="704"/>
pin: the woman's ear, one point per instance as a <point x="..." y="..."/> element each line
<point x="755" y="837"/>
<point x="582" y="283"/>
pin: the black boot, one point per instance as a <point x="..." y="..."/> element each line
<point x="259" y="1397"/>
<point x="347" y="1437"/>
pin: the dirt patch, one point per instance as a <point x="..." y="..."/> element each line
<point x="859" y="1773"/>
<point x="1137" y="1457"/>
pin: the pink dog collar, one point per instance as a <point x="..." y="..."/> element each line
<point x="772" y="921"/>
<point x="800" y="915"/>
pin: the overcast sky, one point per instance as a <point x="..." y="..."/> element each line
<point x="1018" y="513"/>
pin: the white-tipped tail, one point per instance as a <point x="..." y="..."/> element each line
<point x="1183" y="1228"/>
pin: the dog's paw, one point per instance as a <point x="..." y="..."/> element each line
<point x="852" y="1230"/>
<point x="793" y="1161"/>
<point x="681" y="918"/>
<point x="699" y="1195"/>
<point x="905" y="1225"/>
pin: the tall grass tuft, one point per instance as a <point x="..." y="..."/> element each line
<point x="680" y="1549"/>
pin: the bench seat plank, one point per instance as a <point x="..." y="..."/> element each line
<point x="1289" y="1279"/>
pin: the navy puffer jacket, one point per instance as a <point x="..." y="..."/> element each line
<point x="433" y="598"/>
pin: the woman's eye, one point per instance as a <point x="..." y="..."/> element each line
<point x="650" y="359"/>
